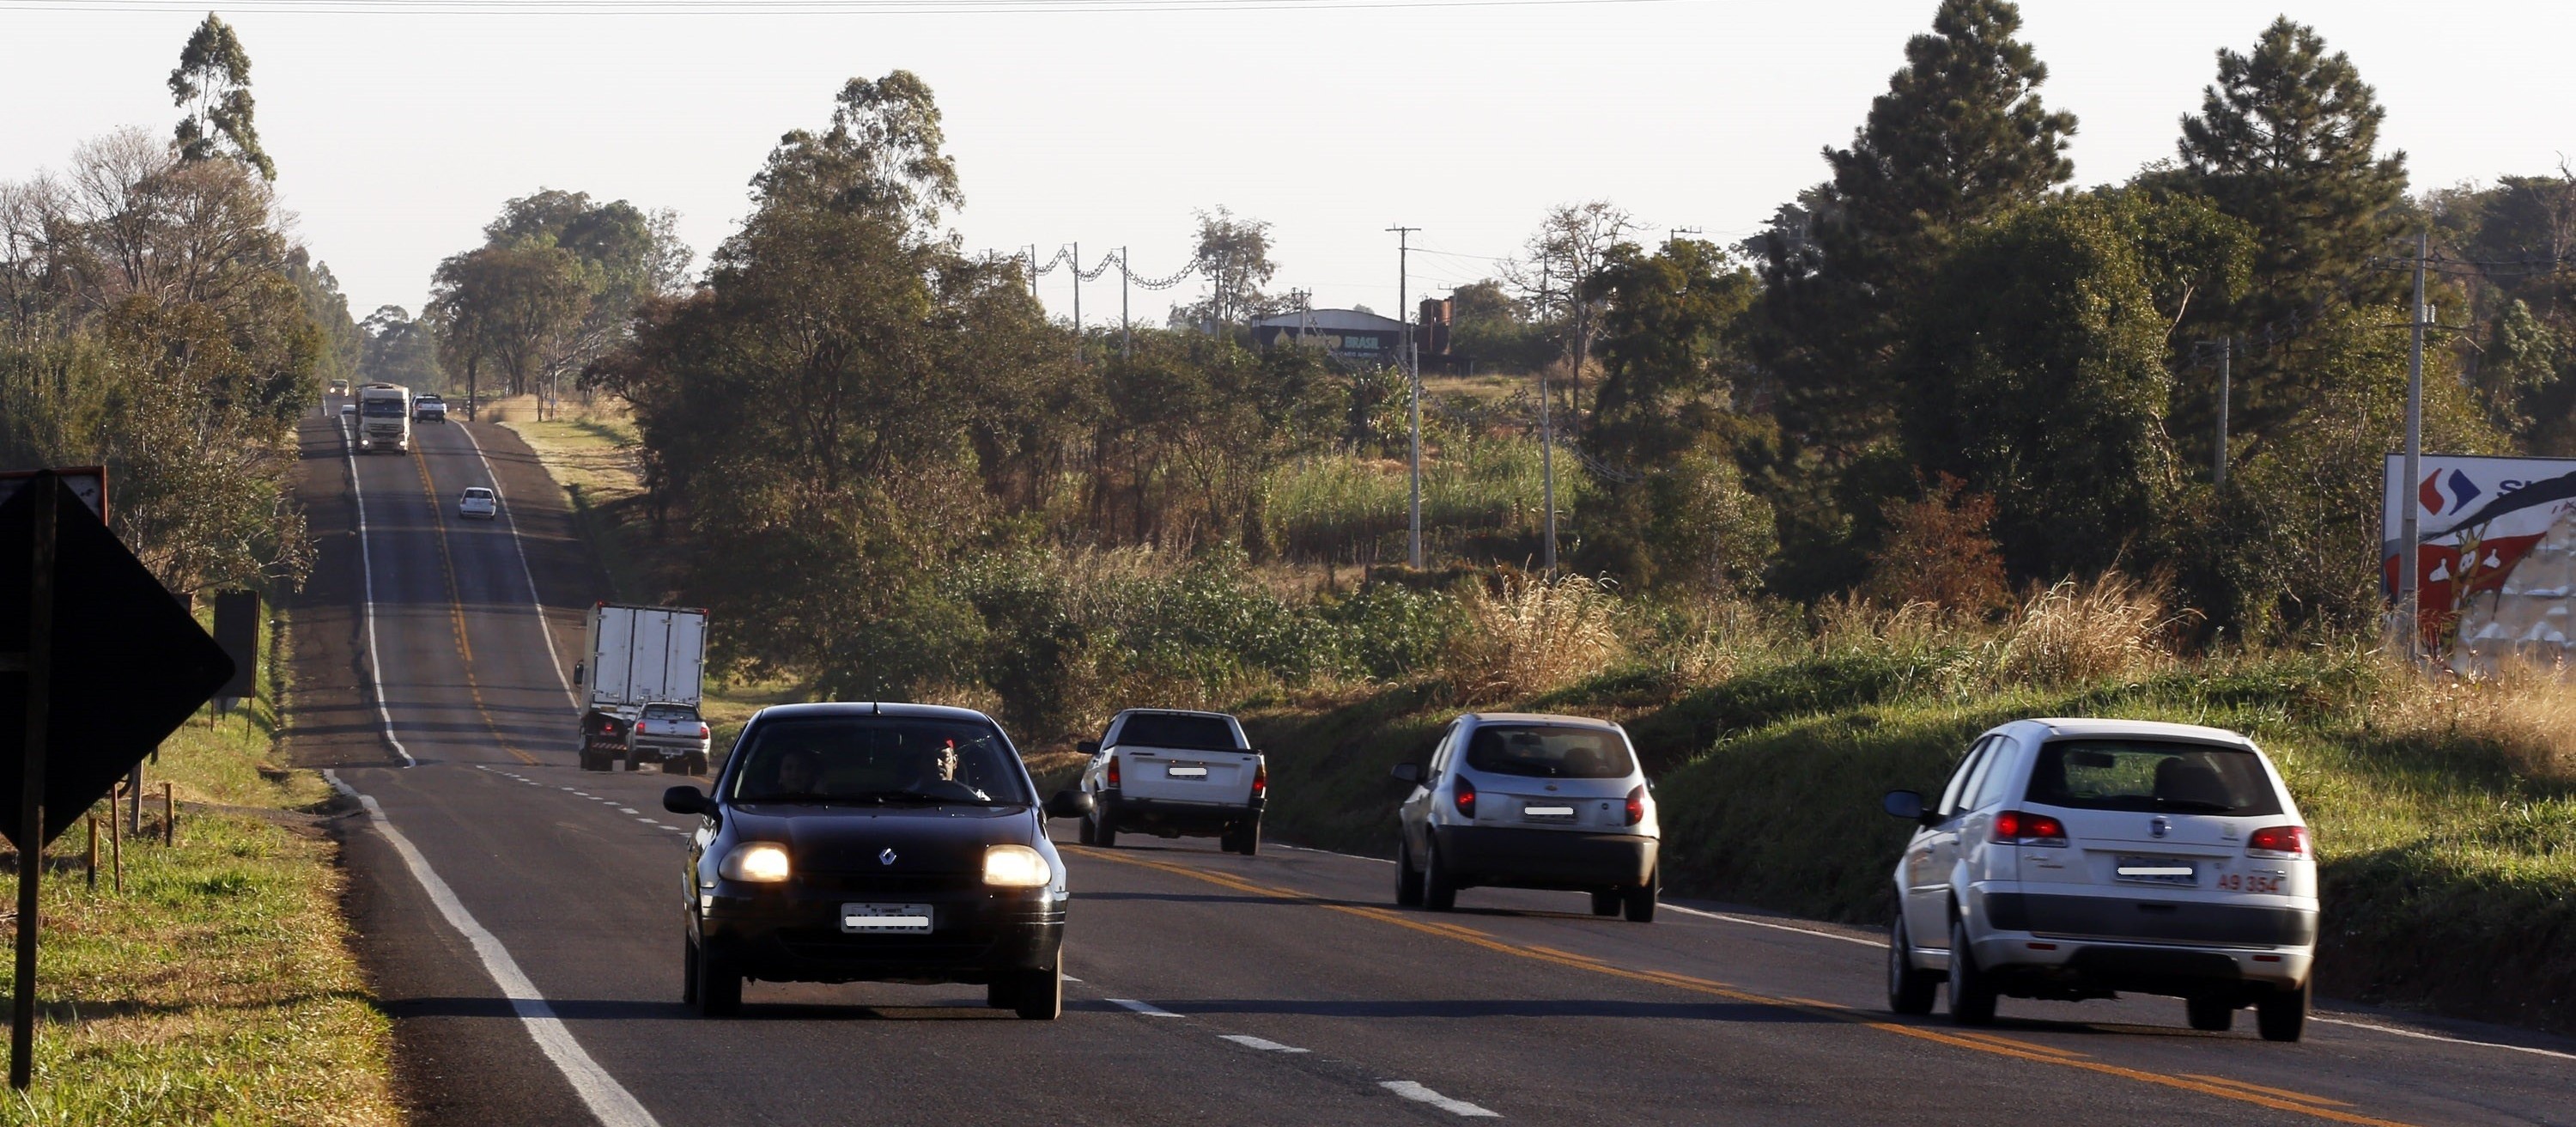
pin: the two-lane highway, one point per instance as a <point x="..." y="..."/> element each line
<point x="522" y="921"/>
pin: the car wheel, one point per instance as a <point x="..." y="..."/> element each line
<point x="688" y="972"/>
<point x="2209" y="1015"/>
<point x="1104" y="829"/>
<point x="1641" y="899"/>
<point x="1038" y="995"/>
<point x="1002" y="994"/>
<point x="1606" y="902"/>
<point x="719" y="992"/>
<point x="1972" y="998"/>
<point x="1408" y="881"/>
<point x="1910" y="989"/>
<point x="1083" y="834"/>
<point x="633" y="761"/>
<point x="1247" y="837"/>
<point x="2283" y="1016"/>
<point x="1439" y="888"/>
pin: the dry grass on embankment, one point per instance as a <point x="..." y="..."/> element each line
<point x="2445" y="812"/>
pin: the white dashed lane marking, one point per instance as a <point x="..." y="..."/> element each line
<point x="1262" y="1043"/>
<point x="1419" y="1094"/>
<point x="1146" y="1008"/>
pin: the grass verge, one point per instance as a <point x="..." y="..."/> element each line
<point x="221" y="986"/>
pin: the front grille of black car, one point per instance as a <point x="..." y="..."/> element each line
<point x="816" y="943"/>
<point x="892" y="884"/>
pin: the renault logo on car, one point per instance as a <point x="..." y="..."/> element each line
<point x="887" y="857"/>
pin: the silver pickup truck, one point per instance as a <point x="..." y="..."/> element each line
<point x="671" y="734"/>
<point x="1168" y="773"/>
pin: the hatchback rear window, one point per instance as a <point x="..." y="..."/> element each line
<point x="2151" y="775"/>
<point x="1549" y="751"/>
<point x="1179" y="733"/>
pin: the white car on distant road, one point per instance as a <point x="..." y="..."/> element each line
<point x="428" y="409"/>
<point x="478" y="501"/>
<point x="2069" y="859"/>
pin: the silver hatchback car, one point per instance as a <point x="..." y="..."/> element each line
<point x="1518" y="800"/>
<point x="2068" y="859"/>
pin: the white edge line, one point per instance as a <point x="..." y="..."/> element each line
<point x="1330" y="853"/>
<point x="367" y="574"/>
<point x="1146" y="1008"/>
<point x="1749" y="922"/>
<point x="2420" y="1036"/>
<point x="1419" y="1094"/>
<point x="535" y="602"/>
<point x="608" y="1101"/>
<point x="1262" y="1043"/>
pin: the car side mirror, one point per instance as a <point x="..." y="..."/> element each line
<point x="1410" y="773"/>
<point x="1903" y="804"/>
<point x="579" y="668"/>
<point x="1068" y="804"/>
<point x="1088" y="747"/>
<point x="687" y="800"/>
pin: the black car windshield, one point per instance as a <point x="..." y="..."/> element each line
<point x="1178" y="732"/>
<point x="1549" y="751"/>
<point x="2152" y="775"/>
<point x="878" y="759"/>
<point x="382" y="408"/>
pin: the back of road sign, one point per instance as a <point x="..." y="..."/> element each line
<point x="129" y="663"/>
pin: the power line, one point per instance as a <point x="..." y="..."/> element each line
<point x="779" y="7"/>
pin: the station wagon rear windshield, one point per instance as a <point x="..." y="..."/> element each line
<point x="2151" y="776"/>
<point x="1549" y="751"/>
<point x="1179" y="733"/>
<point x="882" y="759"/>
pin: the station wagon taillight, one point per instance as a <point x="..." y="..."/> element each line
<point x="1636" y="805"/>
<point x="1463" y="793"/>
<point x="2279" y="841"/>
<point x="1110" y="777"/>
<point x="2014" y="827"/>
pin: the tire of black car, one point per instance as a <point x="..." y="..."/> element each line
<point x="688" y="972"/>
<point x="719" y="985"/>
<point x="1038" y="995"/>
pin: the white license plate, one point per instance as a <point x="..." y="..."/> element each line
<point x="1186" y="772"/>
<point x="2157" y="870"/>
<point x="1549" y="813"/>
<point x="880" y="919"/>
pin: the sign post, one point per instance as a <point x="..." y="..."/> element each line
<point x="126" y="668"/>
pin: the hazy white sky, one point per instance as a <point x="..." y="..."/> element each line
<point x="397" y="136"/>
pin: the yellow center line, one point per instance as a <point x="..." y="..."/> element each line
<point x="2287" y="1095"/>
<point x="2013" y="1043"/>
<point x="456" y="608"/>
<point x="1983" y="1043"/>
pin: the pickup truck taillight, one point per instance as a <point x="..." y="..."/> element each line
<point x="1261" y="781"/>
<point x="702" y="731"/>
<point x="1109" y="778"/>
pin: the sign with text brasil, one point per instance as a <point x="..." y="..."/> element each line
<point x="2496" y="508"/>
<point x="129" y="663"/>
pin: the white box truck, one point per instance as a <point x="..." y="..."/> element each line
<point x="635" y="656"/>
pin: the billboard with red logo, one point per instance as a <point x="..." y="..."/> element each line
<point x="2476" y="518"/>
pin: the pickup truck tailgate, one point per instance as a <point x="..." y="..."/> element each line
<point x="1221" y="778"/>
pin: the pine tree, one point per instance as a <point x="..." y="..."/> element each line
<point x="212" y="82"/>
<point x="2286" y="141"/>
<point x="1960" y="136"/>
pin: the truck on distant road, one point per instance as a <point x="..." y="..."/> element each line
<point x="384" y="418"/>
<point x="635" y="657"/>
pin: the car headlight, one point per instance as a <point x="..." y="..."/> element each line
<point x="758" y="862"/>
<point x="1016" y="866"/>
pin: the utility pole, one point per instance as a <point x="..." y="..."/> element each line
<point x="1403" y="253"/>
<point x="1077" y="292"/>
<point x="2411" y="563"/>
<point x="2218" y="458"/>
<point x="1126" y="334"/>
<point x="1546" y="444"/>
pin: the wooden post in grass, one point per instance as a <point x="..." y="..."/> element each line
<point x="115" y="843"/>
<point x="169" y="816"/>
<point x="93" y="851"/>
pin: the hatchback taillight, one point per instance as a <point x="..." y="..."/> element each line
<point x="1110" y="777"/>
<point x="1261" y="781"/>
<point x="1636" y="805"/>
<point x="2279" y="841"/>
<point x="2014" y="827"/>
<point x="1463" y="793"/>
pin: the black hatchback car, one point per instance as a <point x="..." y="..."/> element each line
<point x="874" y="843"/>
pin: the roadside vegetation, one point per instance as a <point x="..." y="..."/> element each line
<point x="220" y="986"/>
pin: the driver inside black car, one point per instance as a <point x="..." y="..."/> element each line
<point x="938" y="775"/>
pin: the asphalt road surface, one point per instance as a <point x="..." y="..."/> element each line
<point x="521" y="921"/>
